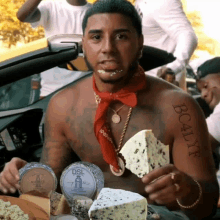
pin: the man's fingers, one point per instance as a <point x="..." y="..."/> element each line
<point x="166" y="195"/>
<point x="15" y="165"/>
<point x="10" y="175"/>
<point x="157" y="173"/>
<point x="18" y="162"/>
<point x="6" y="186"/>
<point x="2" y="188"/>
<point x="159" y="184"/>
<point x="8" y="181"/>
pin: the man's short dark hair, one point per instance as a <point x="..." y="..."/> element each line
<point x="209" y="67"/>
<point x="114" y="6"/>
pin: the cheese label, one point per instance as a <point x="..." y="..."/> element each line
<point x="98" y="174"/>
<point x="37" y="176"/>
<point x="77" y="180"/>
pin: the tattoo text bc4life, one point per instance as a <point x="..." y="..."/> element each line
<point x="187" y="130"/>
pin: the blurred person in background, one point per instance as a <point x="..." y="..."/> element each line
<point x="56" y="17"/>
<point x="208" y="83"/>
<point x="166" y="27"/>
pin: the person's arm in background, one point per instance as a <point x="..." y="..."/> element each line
<point x="172" y="19"/>
<point x="29" y="11"/>
<point x="36" y="12"/>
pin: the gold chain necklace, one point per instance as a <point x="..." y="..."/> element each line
<point x="121" y="163"/>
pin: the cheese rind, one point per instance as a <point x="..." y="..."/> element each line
<point x="143" y="153"/>
<point x="118" y="204"/>
<point x="39" y="199"/>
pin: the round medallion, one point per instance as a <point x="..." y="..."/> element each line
<point x="77" y="179"/>
<point x="116" y="118"/>
<point x="121" y="171"/>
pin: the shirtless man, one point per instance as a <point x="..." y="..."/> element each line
<point x="112" y="44"/>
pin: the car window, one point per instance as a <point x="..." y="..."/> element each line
<point x="18" y="94"/>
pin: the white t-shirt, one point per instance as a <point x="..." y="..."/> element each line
<point x="59" y="17"/>
<point x="213" y="122"/>
<point x="166" y="27"/>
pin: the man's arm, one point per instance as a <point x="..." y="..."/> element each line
<point x="29" y="12"/>
<point x="192" y="155"/>
<point x="192" y="160"/>
<point x="56" y="150"/>
<point x="170" y="16"/>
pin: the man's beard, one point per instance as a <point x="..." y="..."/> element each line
<point x="87" y="63"/>
<point x="131" y="72"/>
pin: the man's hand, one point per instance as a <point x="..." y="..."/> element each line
<point x="9" y="177"/>
<point x="163" y="71"/>
<point x="166" y="184"/>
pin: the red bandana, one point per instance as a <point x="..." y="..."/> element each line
<point x="127" y="96"/>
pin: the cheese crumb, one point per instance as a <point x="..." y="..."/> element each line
<point x="11" y="212"/>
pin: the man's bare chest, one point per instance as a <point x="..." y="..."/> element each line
<point x="80" y="128"/>
<point x="82" y="139"/>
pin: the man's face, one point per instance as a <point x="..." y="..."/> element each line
<point x="209" y="87"/>
<point x="111" y="46"/>
<point x="170" y="78"/>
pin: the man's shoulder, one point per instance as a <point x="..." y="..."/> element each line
<point x="160" y="86"/>
<point x="166" y="93"/>
<point x="65" y="5"/>
<point x="48" y="3"/>
<point x="214" y="115"/>
<point x="70" y="94"/>
<point x="217" y="109"/>
<point x="53" y="4"/>
<point x="174" y="100"/>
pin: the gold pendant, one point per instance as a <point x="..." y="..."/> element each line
<point x="116" y="118"/>
<point x="121" y="170"/>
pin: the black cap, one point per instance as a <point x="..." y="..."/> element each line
<point x="209" y="67"/>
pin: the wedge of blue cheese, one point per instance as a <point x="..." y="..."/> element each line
<point x="143" y="153"/>
<point x="118" y="204"/>
<point x="81" y="206"/>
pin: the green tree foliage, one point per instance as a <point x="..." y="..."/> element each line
<point x="11" y="29"/>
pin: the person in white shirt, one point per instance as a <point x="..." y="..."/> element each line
<point x="208" y="83"/>
<point x="57" y="17"/>
<point x="166" y="27"/>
